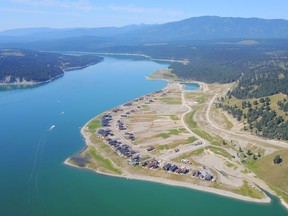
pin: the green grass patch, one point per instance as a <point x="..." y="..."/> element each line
<point x="145" y="107"/>
<point x="249" y="191"/>
<point x="171" y="100"/>
<point x="202" y="99"/>
<point x="219" y="151"/>
<point x="177" y="131"/>
<point x="228" y="124"/>
<point x="197" y="152"/>
<point x="164" y="74"/>
<point x="192" y="153"/>
<point x="94" y="125"/>
<point x="106" y="163"/>
<point x="203" y="134"/>
<point x="189" y="119"/>
<point x="172" y="132"/>
<point x="176" y="144"/>
<point x="215" y="142"/>
<point x="191" y="139"/>
<point x="246" y="171"/>
<point x="174" y="117"/>
<point x="166" y="147"/>
<point x="190" y="95"/>
<point x="199" y="98"/>
<point x="164" y="135"/>
<point x="230" y="165"/>
<point x="274" y="175"/>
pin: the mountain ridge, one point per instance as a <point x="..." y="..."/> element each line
<point x="194" y="28"/>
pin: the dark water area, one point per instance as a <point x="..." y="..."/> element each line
<point x="35" y="182"/>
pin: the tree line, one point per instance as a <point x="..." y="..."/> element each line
<point x="28" y="65"/>
<point x="258" y="118"/>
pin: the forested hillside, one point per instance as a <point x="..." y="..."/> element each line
<point x="224" y="65"/>
<point x="256" y="84"/>
<point x="265" y="116"/>
<point x="20" y="66"/>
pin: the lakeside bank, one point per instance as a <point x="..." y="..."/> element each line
<point x="69" y="191"/>
<point x="127" y="175"/>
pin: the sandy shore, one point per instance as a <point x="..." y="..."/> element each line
<point x="180" y="184"/>
<point x="284" y="203"/>
<point x="167" y="181"/>
<point x="126" y="175"/>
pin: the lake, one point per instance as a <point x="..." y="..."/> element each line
<point x="35" y="182"/>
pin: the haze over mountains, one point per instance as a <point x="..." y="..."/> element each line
<point x="197" y="28"/>
<point x="214" y="49"/>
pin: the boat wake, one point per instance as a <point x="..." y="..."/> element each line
<point x="34" y="175"/>
<point x="52" y="127"/>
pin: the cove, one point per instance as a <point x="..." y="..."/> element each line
<point x="34" y="181"/>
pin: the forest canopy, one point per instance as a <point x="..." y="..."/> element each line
<point x="33" y="66"/>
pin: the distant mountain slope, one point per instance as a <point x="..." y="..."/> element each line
<point x="26" y="66"/>
<point x="32" y="34"/>
<point x="212" y="27"/>
<point x="218" y="49"/>
<point x="196" y="28"/>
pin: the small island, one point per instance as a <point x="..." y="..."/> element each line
<point x="23" y="67"/>
<point x="180" y="137"/>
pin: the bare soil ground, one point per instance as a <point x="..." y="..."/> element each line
<point x="158" y="120"/>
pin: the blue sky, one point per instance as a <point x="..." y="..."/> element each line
<point x="99" y="13"/>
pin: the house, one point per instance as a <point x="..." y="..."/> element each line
<point x="153" y="164"/>
<point x="104" y="133"/>
<point x="166" y="167"/>
<point x="128" y="104"/>
<point x="184" y="170"/>
<point x="173" y="168"/>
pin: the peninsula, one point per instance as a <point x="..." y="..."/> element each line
<point x="19" y="66"/>
<point x="179" y="137"/>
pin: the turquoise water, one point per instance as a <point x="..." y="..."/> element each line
<point x="34" y="181"/>
<point x="191" y="86"/>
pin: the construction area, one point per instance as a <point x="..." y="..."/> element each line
<point x="178" y="135"/>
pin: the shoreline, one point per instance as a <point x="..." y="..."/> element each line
<point x="30" y="83"/>
<point x="34" y="83"/>
<point x="283" y="203"/>
<point x="132" y="54"/>
<point x="165" y="181"/>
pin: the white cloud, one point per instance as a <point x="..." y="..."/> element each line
<point x="134" y="9"/>
<point x="68" y="4"/>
